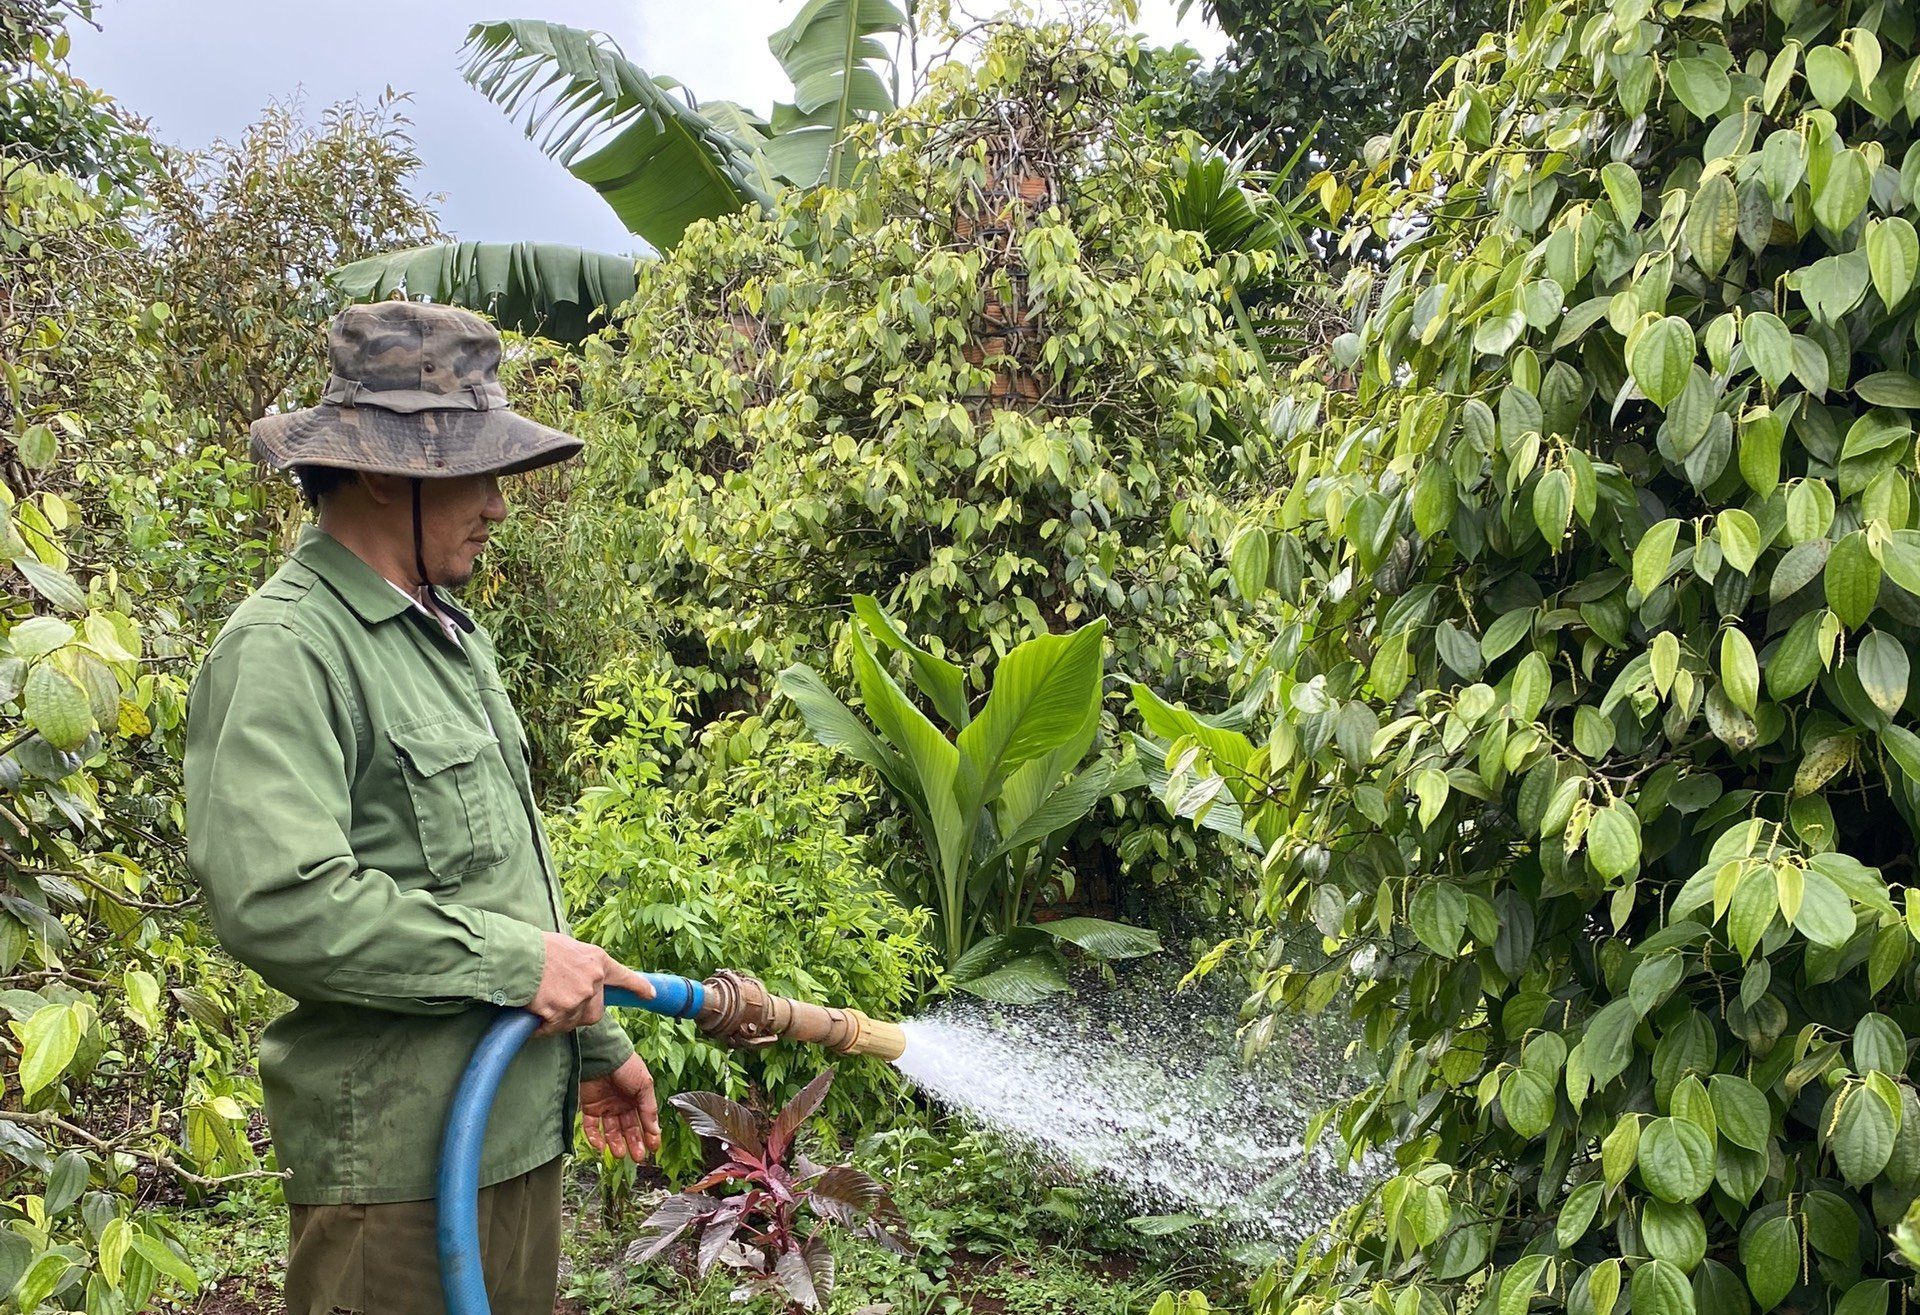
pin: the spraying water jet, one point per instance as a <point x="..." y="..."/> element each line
<point x="731" y="1008"/>
<point x="1139" y="1089"/>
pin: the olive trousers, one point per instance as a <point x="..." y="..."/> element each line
<point x="382" y="1259"/>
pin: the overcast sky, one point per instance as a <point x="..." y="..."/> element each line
<point x="202" y="69"/>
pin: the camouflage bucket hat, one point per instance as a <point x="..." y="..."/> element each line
<point x="415" y="391"/>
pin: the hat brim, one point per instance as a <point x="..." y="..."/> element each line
<point x="423" y="444"/>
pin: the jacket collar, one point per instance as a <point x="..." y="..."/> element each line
<point x="370" y="594"/>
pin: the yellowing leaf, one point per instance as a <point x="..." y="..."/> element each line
<point x="1739" y="536"/>
<point x="1893" y="256"/>
<point x="1739" y="670"/>
<point x="1829" y="75"/>
<point x="48" y="1039"/>
<point x="1652" y="555"/>
<point x="1843" y="193"/>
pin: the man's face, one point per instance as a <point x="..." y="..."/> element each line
<point x="456" y="516"/>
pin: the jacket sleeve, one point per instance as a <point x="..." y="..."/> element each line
<point x="270" y="752"/>
<point x="603" y="1047"/>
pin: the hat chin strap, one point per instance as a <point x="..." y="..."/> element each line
<point x="427" y="598"/>
<point x="419" y="540"/>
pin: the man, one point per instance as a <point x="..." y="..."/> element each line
<point x="360" y="814"/>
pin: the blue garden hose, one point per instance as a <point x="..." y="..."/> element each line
<point x="458" y="1191"/>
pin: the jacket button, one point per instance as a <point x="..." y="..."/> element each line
<point x="499" y="997"/>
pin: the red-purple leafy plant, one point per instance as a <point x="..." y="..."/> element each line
<point x="769" y="1230"/>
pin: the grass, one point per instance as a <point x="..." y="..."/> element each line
<point x="996" y="1236"/>
<point x="239" y="1250"/>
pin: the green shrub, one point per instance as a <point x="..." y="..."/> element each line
<point x="1591" y="750"/>
<point x="798" y="406"/>
<point x="755" y="869"/>
<point x="803" y="405"/>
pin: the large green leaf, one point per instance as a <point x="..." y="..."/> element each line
<point x="48" y="1041"/>
<point x="829" y="52"/>
<point x="57" y="707"/>
<point x="1772" y="1256"/>
<point x="1228" y="748"/>
<point x="1029" y="786"/>
<point x="1661" y="358"/>
<point x="1065" y="806"/>
<point x="1862" y="1131"/>
<point x="1661" y="1288"/>
<point x="940" y="680"/>
<point x="651" y="155"/>
<point x="835" y="726"/>
<point x="928" y="754"/>
<point x="1010" y="969"/>
<point x="1045" y="692"/>
<point x="1676" y="1160"/>
<point x="46" y="1274"/>
<point x="556" y="291"/>
<point x="1104" y="939"/>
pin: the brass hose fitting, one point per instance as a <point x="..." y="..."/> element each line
<point x="740" y="1011"/>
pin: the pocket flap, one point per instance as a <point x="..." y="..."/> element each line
<point x="436" y="746"/>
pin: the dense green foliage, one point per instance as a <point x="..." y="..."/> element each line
<point x="807" y="414"/>
<point x="1315" y="73"/>
<point x="1588" y="743"/>
<point x="129" y="528"/>
<point x="999" y="415"/>
<point x="755" y="867"/>
<point x="54" y="120"/>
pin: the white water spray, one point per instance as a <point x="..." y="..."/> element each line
<point x="1143" y="1091"/>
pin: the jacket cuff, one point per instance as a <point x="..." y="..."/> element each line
<point x="603" y="1047"/>
<point x="512" y="958"/>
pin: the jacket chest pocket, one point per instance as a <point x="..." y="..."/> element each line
<point x="457" y="794"/>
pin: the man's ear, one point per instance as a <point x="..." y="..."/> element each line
<point x="385" y="490"/>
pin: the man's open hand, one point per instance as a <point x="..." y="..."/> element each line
<point x="573" y="982"/>
<point x="619" y="1112"/>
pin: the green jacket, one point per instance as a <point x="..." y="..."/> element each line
<point x="361" y="817"/>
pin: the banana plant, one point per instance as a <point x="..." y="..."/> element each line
<point x="994" y="796"/>
<point x="660" y="158"/>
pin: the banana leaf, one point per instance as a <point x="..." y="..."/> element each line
<point x="556" y="291"/>
<point x="829" y="53"/>
<point x="656" y="159"/>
